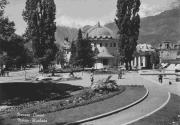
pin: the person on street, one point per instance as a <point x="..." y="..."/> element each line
<point x="160" y="78"/>
<point x="92" y="76"/>
<point x="120" y="74"/>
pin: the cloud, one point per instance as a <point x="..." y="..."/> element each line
<point x="65" y="20"/>
<point x="145" y="10"/>
<point x="175" y="3"/>
<point x="72" y="22"/>
<point x="151" y="10"/>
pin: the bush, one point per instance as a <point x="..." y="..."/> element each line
<point x="106" y="85"/>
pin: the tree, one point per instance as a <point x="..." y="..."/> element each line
<point x="60" y="57"/>
<point x="86" y="55"/>
<point x="40" y="16"/>
<point x="128" y="23"/>
<point x="73" y="53"/>
<point x="78" y="43"/>
<point x="81" y="52"/>
<point x="19" y="57"/>
<point x="6" y="26"/>
<point x="154" y="58"/>
<point x="7" y="31"/>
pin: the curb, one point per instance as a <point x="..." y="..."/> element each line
<point x="162" y="106"/>
<point x="111" y="112"/>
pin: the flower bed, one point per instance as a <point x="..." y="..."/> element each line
<point x="100" y="91"/>
<point x="86" y="111"/>
<point x="86" y="97"/>
<point x="52" y="78"/>
<point x="106" y="71"/>
<point x="68" y="70"/>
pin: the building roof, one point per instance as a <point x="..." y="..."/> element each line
<point x="145" y="48"/>
<point x="99" y="31"/>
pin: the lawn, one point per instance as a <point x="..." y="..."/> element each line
<point x="130" y="95"/>
<point x="19" y="93"/>
<point x="169" y="115"/>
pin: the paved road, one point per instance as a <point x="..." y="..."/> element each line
<point x="156" y="98"/>
<point x="174" y="88"/>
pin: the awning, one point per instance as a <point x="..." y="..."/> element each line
<point x="177" y="67"/>
<point x="171" y="67"/>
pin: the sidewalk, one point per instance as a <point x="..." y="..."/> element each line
<point x="20" y="75"/>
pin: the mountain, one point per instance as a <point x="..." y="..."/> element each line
<point x="155" y="29"/>
<point x="63" y="32"/>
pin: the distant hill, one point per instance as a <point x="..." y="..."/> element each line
<point x="63" y="32"/>
<point x="154" y="29"/>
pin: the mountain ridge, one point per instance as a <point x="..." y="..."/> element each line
<point x="154" y="29"/>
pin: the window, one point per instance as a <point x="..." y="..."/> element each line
<point x="106" y="44"/>
<point x="100" y="44"/>
<point x="114" y="44"/>
<point x="105" y="61"/>
<point x="167" y="46"/>
<point x="111" y="45"/>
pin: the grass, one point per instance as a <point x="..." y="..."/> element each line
<point x="19" y="93"/>
<point x="166" y="116"/>
<point x="69" y="115"/>
<point x="86" y="97"/>
<point x="130" y="95"/>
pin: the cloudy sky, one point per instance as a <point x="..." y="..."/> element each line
<point x="77" y="13"/>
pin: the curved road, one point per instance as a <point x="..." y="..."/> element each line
<point x="157" y="97"/>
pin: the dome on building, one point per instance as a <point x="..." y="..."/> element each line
<point x="99" y="31"/>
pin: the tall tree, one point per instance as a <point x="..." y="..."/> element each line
<point x="6" y="32"/>
<point x="60" y="57"/>
<point x="84" y="53"/>
<point x="40" y="16"/>
<point x="128" y="23"/>
<point x="78" y="43"/>
<point x="73" y="53"/>
<point x="6" y="26"/>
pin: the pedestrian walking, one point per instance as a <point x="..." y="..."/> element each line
<point x="120" y="74"/>
<point x="160" y="78"/>
<point x="0" y="71"/>
<point x="92" y="76"/>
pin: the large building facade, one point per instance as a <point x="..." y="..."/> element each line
<point x="104" y="42"/>
<point x="169" y="52"/>
<point x="142" y="57"/>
